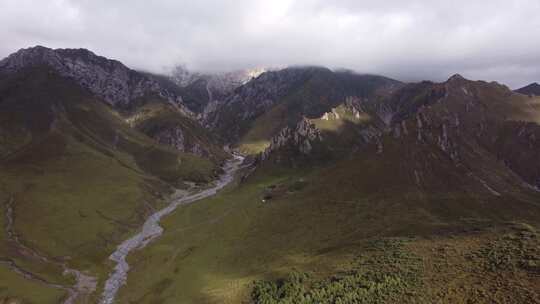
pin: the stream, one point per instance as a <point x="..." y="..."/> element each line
<point x="85" y="284"/>
<point x="151" y="230"/>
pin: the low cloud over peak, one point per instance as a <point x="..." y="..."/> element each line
<point x="408" y="40"/>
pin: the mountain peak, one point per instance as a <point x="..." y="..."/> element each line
<point x="27" y="57"/>
<point x="456" y="77"/>
<point x="531" y="89"/>
<point x="108" y="79"/>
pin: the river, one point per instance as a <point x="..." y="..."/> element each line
<point x="151" y="230"/>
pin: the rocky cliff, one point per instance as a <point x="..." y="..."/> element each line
<point x="109" y="79"/>
<point x="300" y="138"/>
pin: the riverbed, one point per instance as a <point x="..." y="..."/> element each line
<point x="151" y="230"/>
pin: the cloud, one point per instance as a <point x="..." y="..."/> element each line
<point x="409" y="40"/>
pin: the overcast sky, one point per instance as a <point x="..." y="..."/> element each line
<point x="408" y="40"/>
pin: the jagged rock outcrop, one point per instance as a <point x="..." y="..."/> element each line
<point x="254" y="99"/>
<point x="109" y="79"/>
<point x="292" y="92"/>
<point x="299" y="138"/>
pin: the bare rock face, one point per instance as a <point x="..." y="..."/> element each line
<point x="295" y="91"/>
<point x="109" y="79"/>
<point x="253" y="99"/>
<point x="204" y="90"/>
<point x="221" y="82"/>
<point x="300" y="138"/>
<point x="173" y="137"/>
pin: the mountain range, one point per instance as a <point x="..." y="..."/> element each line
<point x="355" y="188"/>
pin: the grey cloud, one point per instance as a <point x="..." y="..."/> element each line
<point x="409" y="40"/>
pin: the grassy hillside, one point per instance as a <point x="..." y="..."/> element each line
<point x="323" y="222"/>
<point x="434" y="213"/>
<point x="402" y="219"/>
<point x="15" y="289"/>
<point x="153" y="116"/>
<point x="78" y="178"/>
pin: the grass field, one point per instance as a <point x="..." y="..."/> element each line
<point x="14" y="289"/>
<point x="319" y="221"/>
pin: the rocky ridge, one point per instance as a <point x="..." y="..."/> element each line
<point x="254" y="98"/>
<point x="202" y="91"/>
<point x="464" y="120"/>
<point x="109" y="79"/>
<point x="143" y="100"/>
<point x="301" y="137"/>
<point x="224" y="81"/>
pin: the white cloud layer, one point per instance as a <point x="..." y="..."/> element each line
<point x="408" y="40"/>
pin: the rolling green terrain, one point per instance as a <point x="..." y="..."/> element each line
<point x="360" y="189"/>
<point x="319" y="221"/>
<point x="78" y="178"/>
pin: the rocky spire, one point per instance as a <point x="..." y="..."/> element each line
<point x="300" y="137"/>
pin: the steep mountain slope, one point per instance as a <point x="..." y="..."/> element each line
<point x="467" y="121"/>
<point x="531" y="89"/>
<point x="201" y="92"/>
<point x="426" y="206"/>
<point x="135" y="95"/>
<point x="109" y="79"/>
<point x="75" y="178"/>
<point x="261" y="108"/>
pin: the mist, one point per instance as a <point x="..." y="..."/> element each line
<point x="407" y="40"/>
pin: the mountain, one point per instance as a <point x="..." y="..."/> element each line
<point x="468" y="122"/>
<point x="87" y="152"/>
<point x="203" y="90"/>
<point x="531" y="89"/>
<point x="356" y="188"/>
<point x="143" y="102"/>
<point x="261" y="108"/>
<point x="109" y="79"/>
<point x="411" y="193"/>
